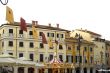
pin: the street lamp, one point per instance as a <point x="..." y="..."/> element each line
<point x="4" y="3"/>
<point x="79" y="38"/>
<point x="101" y="53"/>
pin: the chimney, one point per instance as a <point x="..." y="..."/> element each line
<point x="49" y="24"/>
<point x="57" y="25"/>
<point x="33" y="22"/>
<point x="36" y="22"/>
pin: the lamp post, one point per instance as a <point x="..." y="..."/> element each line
<point x="101" y="53"/>
<point x="4" y="3"/>
<point x="79" y="38"/>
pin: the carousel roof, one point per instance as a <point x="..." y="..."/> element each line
<point x="55" y="63"/>
<point x="55" y="60"/>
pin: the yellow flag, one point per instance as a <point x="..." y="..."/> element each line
<point x="74" y="52"/>
<point x="35" y="34"/>
<point x="88" y="55"/>
<point x="50" y="43"/>
<point x="9" y="15"/>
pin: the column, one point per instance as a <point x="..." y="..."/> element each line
<point x="65" y="70"/>
<point x="73" y="71"/>
<point x="25" y="69"/>
<point x="45" y="70"/>
<point x="35" y="70"/>
<point x="88" y="70"/>
<point x="15" y="69"/>
<point x="94" y="70"/>
<point x="82" y="70"/>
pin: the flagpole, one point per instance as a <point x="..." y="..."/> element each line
<point x="56" y="45"/>
<point x="16" y="42"/>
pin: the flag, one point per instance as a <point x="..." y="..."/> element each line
<point x="9" y="15"/>
<point x="50" y="43"/>
<point x="43" y="38"/>
<point x="35" y="35"/>
<point x="74" y="53"/>
<point x="88" y="55"/>
<point x="23" y="24"/>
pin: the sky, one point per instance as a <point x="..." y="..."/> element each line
<point x="93" y="15"/>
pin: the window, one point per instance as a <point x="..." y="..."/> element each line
<point x="61" y="35"/>
<point x="31" y="57"/>
<point x="40" y="33"/>
<point x="47" y="34"/>
<point x="67" y="58"/>
<point x="20" y="44"/>
<point x="71" y="59"/>
<point x="106" y="54"/>
<point x="91" y="59"/>
<point x="50" y="57"/>
<point x="30" y="33"/>
<point x="69" y="48"/>
<point x="85" y="60"/>
<point x="2" y="44"/>
<point x="41" y="57"/>
<point x="76" y="59"/>
<point x="91" y="49"/>
<point x="11" y="31"/>
<point x="20" y="54"/>
<point x="60" y="47"/>
<point x="3" y="31"/>
<point x="78" y="48"/>
<point x="41" y="45"/>
<point x="85" y="48"/>
<point x="10" y="43"/>
<point x="20" y="31"/>
<point x="10" y="53"/>
<point x="31" y="45"/>
<point x="52" y="34"/>
<point x="80" y="59"/>
<point x="61" y="58"/>
<point x="57" y="35"/>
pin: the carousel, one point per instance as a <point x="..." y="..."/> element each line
<point x="56" y="66"/>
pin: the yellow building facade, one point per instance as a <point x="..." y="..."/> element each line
<point x="99" y="49"/>
<point x="86" y="61"/>
<point x="22" y="44"/>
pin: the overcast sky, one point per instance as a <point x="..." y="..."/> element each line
<point x="93" y="15"/>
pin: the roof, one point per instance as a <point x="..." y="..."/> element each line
<point x="39" y="26"/>
<point x="76" y="40"/>
<point x="89" y="32"/>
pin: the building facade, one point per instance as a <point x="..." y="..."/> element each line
<point x="82" y="58"/>
<point x="22" y="44"/>
<point x="99" y="49"/>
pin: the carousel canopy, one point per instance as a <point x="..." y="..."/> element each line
<point x="55" y="60"/>
<point x="6" y="55"/>
<point x="6" y="60"/>
<point x="40" y="65"/>
<point x="25" y="61"/>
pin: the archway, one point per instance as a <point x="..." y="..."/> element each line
<point x="91" y="70"/>
<point x="30" y="70"/>
<point x="85" y="70"/>
<point x="21" y="70"/>
<point x="97" y="71"/>
<point x="78" y="70"/>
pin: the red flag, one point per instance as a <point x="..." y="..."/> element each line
<point x="43" y="38"/>
<point x="23" y="24"/>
